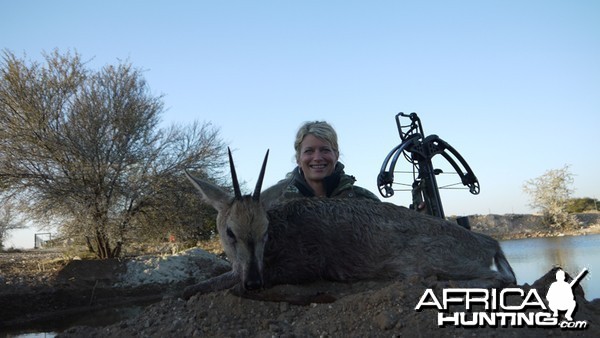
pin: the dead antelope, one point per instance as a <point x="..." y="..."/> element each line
<point x="308" y="239"/>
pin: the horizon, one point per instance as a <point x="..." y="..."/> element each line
<point x="512" y="85"/>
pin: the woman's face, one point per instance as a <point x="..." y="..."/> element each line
<point x="317" y="158"/>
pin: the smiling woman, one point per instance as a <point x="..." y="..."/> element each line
<point x="317" y="161"/>
<point x="316" y="154"/>
<point x="319" y="174"/>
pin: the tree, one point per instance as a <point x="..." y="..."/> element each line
<point x="549" y="194"/>
<point x="8" y="221"/>
<point x="575" y="205"/>
<point x="84" y="149"/>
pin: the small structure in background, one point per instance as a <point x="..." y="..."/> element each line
<point x="42" y="240"/>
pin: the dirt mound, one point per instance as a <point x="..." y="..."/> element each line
<point x="40" y="287"/>
<point x="43" y="287"/>
<point x="189" y="266"/>
<point x="373" y="309"/>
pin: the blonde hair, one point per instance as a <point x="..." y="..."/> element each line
<point x="319" y="129"/>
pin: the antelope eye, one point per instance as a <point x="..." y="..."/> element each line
<point x="230" y="234"/>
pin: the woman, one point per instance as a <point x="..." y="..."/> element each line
<point x="318" y="172"/>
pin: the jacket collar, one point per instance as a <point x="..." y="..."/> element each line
<point x="331" y="182"/>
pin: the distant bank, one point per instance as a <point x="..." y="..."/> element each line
<point x="513" y="226"/>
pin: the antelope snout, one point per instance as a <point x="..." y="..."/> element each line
<point x="252" y="285"/>
<point x="253" y="280"/>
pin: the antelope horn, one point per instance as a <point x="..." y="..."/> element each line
<point x="234" y="180"/>
<point x="256" y="195"/>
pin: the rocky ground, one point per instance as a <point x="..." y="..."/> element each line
<point x="38" y="287"/>
<point x="365" y="309"/>
<point x="45" y="290"/>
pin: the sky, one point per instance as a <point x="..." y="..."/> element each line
<point x="513" y="85"/>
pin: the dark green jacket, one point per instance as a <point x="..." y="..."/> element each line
<point x="338" y="184"/>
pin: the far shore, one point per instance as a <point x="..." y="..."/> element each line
<point x="518" y="226"/>
<point x="591" y="230"/>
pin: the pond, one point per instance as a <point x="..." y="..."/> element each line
<point x="532" y="257"/>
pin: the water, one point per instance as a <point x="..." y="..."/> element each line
<point x="531" y="258"/>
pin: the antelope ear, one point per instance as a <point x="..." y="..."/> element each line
<point x="210" y="193"/>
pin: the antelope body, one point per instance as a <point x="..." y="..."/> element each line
<point x="308" y="239"/>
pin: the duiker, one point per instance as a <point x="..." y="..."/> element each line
<point x="308" y="239"/>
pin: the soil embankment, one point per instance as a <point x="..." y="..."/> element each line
<point x="39" y="286"/>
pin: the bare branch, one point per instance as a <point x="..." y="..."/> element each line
<point x="84" y="147"/>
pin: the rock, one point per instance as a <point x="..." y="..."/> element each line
<point x="385" y="320"/>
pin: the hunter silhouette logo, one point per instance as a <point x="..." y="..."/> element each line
<point x="560" y="294"/>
